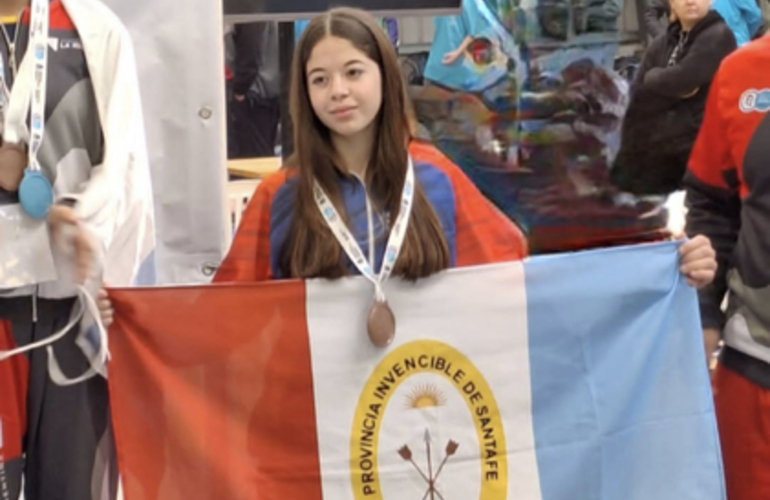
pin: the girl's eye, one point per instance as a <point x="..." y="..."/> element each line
<point x="355" y="72"/>
<point x="318" y="80"/>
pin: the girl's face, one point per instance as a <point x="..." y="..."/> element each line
<point x="344" y="86"/>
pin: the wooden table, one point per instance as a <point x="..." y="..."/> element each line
<point x="253" y="168"/>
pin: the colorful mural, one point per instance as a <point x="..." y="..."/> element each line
<point x="526" y="98"/>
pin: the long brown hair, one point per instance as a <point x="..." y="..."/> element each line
<point x="311" y="249"/>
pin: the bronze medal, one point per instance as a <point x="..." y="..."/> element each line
<point x="381" y="324"/>
<point x="13" y="161"/>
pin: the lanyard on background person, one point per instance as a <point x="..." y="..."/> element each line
<point x="35" y="191"/>
<point x="25" y="257"/>
<point x="381" y="323"/>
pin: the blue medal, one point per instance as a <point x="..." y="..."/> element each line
<point x="35" y="194"/>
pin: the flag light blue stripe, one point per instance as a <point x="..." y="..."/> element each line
<point x="622" y="408"/>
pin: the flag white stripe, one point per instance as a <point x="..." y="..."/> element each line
<point x="475" y="320"/>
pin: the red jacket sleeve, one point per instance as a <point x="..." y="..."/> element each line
<point x="249" y="257"/>
<point x="484" y="234"/>
<point x="711" y="156"/>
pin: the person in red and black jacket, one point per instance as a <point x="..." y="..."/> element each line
<point x="728" y="196"/>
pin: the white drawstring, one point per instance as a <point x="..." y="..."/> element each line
<point x="98" y="362"/>
<point x="46" y="341"/>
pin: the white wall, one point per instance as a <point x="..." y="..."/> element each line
<point x="181" y="72"/>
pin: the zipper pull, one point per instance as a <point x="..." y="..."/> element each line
<point x="34" y="306"/>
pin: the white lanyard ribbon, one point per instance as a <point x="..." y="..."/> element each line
<point x="349" y="243"/>
<point x="39" y="45"/>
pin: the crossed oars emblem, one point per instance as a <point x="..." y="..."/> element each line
<point x="406" y="454"/>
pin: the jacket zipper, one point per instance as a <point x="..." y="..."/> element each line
<point x="34" y="304"/>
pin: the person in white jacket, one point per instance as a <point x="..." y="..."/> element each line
<point x="93" y="153"/>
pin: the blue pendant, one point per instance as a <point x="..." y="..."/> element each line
<point x="35" y="194"/>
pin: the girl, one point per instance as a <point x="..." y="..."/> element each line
<point x="353" y="134"/>
<point x="403" y="204"/>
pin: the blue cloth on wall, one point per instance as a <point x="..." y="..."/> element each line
<point x="477" y="21"/>
<point x="742" y="16"/>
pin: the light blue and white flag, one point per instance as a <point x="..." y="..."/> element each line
<point x="569" y="377"/>
<point x="572" y="377"/>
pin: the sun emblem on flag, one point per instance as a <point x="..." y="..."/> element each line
<point x="447" y="386"/>
<point x="425" y="396"/>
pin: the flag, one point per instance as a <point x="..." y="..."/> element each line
<point x="561" y="377"/>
